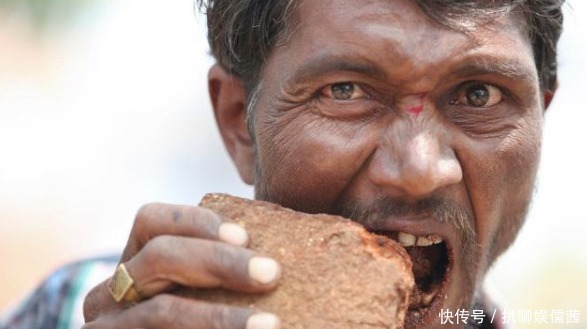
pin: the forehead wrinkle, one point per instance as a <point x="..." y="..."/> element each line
<point x="401" y="52"/>
<point x="385" y="24"/>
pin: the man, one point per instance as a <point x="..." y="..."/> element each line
<point x="421" y="120"/>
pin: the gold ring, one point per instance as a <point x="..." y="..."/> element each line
<point x="122" y="286"/>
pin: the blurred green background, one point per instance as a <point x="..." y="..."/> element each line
<point x="45" y="14"/>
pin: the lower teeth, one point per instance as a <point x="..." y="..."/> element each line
<point x="427" y="298"/>
<point x="420" y="299"/>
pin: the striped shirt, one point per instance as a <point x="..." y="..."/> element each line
<point x="58" y="302"/>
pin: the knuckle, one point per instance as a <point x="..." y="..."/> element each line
<point x="91" y="304"/>
<point x="145" y="213"/>
<point x="205" y="221"/>
<point x="155" y="249"/>
<point x="203" y="212"/>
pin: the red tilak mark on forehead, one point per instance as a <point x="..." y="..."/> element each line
<point x="415" y="110"/>
<point x="417" y="106"/>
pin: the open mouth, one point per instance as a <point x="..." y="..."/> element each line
<point x="430" y="266"/>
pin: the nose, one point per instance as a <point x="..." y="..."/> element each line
<point x="415" y="167"/>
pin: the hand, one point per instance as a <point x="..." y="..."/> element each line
<point x="172" y="246"/>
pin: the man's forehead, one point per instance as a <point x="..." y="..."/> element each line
<point x="410" y="14"/>
<point x="365" y="36"/>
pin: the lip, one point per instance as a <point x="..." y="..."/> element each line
<point x="421" y="226"/>
<point x="415" y="225"/>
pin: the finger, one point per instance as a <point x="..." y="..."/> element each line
<point x="198" y="222"/>
<point x="168" y="261"/>
<point x="99" y="301"/>
<point x="173" y="312"/>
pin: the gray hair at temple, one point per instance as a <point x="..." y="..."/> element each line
<point x="242" y="33"/>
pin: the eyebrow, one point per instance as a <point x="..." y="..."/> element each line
<point x="506" y="67"/>
<point x="329" y="64"/>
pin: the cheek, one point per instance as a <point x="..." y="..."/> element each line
<point x="306" y="161"/>
<point x="502" y="186"/>
<point x="521" y="157"/>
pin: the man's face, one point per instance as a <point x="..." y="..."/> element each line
<point x="373" y="111"/>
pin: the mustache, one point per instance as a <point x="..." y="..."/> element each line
<point x="445" y="211"/>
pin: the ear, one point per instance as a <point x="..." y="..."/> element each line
<point x="229" y="103"/>
<point x="548" y="95"/>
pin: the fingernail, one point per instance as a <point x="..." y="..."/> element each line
<point x="233" y="234"/>
<point x="263" y="321"/>
<point x="264" y="270"/>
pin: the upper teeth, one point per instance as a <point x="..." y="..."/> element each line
<point x="409" y="240"/>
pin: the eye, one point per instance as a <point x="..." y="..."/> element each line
<point x="478" y="95"/>
<point x="344" y="91"/>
